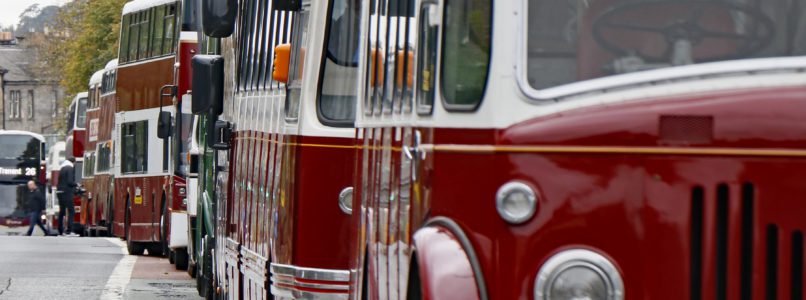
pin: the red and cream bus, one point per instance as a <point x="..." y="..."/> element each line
<point x="585" y="149"/>
<point x="150" y="53"/>
<point x="76" y="138"/>
<point x="98" y="180"/>
<point x="287" y="203"/>
<point x="89" y="217"/>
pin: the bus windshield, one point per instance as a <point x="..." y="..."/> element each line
<point x="577" y="40"/>
<point x="19" y="147"/>
<point x="11" y="201"/>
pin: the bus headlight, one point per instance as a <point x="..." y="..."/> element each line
<point x="579" y="274"/>
<point x="516" y="202"/>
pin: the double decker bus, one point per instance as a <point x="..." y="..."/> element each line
<point x="74" y="143"/>
<point x="22" y="159"/>
<point x="586" y="149"/>
<point x="88" y="217"/>
<point x="289" y="110"/>
<point x="98" y="180"/>
<point x="149" y="50"/>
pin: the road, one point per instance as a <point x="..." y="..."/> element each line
<point x="50" y="268"/>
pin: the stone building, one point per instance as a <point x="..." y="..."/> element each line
<point x="28" y="103"/>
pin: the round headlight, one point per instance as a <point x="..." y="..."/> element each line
<point x="516" y="202"/>
<point x="579" y="274"/>
<point x="346" y="200"/>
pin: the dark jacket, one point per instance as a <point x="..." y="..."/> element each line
<point x="67" y="181"/>
<point x="34" y="200"/>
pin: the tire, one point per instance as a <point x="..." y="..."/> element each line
<point x="134" y="248"/>
<point x="192" y="270"/>
<point x="154" y="249"/>
<point x="110" y="219"/>
<point x="171" y="257"/>
<point x="181" y="258"/>
<point x="164" y="227"/>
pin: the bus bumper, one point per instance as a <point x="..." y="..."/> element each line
<point x="179" y="230"/>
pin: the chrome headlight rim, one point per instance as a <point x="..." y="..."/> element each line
<point x="514" y="187"/>
<point x="346" y="200"/>
<point x="578" y="257"/>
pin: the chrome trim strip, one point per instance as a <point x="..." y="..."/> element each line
<point x="311" y="273"/>
<point x="289" y="281"/>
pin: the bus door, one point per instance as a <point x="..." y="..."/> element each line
<point x="425" y="76"/>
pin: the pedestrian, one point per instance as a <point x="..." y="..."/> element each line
<point x="64" y="190"/>
<point x="34" y="205"/>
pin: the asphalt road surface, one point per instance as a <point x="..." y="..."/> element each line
<point x="50" y="268"/>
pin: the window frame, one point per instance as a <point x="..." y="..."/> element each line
<point x="32" y="107"/>
<point x="450" y="107"/>
<point x="132" y="129"/>
<point x="323" y="63"/>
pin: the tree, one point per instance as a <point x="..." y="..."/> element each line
<point x="79" y="40"/>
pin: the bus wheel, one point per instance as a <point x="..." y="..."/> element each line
<point x="164" y="227"/>
<point x="134" y="248"/>
<point x="181" y="258"/>
<point x="155" y="249"/>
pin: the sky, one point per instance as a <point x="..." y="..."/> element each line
<point x="10" y="10"/>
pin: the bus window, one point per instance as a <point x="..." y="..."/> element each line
<point x="465" y="52"/>
<point x="134" y="36"/>
<point x="81" y="113"/>
<point x="339" y="88"/>
<point x="134" y="148"/>
<point x="159" y="31"/>
<point x="103" y="163"/>
<point x="170" y="29"/>
<point x="145" y="34"/>
<point x="426" y="60"/>
<point x="299" y="41"/>
<point x="573" y="41"/>
<point x="123" y="55"/>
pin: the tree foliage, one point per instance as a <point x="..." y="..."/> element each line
<point x="80" y="40"/>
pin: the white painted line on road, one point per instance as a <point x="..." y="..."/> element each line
<point x="121" y="275"/>
<point x="119" y="243"/>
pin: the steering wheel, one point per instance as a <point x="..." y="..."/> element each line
<point x="687" y="28"/>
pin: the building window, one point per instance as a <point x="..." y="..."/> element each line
<point x="31" y="105"/>
<point x="55" y="103"/>
<point x="15" y="106"/>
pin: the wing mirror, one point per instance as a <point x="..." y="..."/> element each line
<point x="208" y="93"/>
<point x="218" y="17"/>
<point x="164" y="125"/>
<point x="222" y="132"/>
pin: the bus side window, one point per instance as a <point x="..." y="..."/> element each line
<point x="465" y="53"/>
<point x="134" y="36"/>
<point x="170" y="29"/>
<point x="426" y="59"/>
<point x="339" y="86"/>
<point x="124" y="39"/>
<point x="159" y="31"/>
<point x="145" y="32"/>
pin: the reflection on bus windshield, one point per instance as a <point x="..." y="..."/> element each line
<point x="576" y="40"/>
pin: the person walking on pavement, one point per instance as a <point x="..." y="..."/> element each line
<point x="64" y="190"/>
<point x="34" y="205"/>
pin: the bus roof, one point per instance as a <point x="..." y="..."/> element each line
<point x="138" y="5"/>
<point x="79" y="96"/>
<point x="112" y="64"/>
<point x="96" y="78"/>
<point x="20" y="132"/>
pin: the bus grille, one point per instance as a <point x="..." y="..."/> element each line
<point x="722" y="267"/>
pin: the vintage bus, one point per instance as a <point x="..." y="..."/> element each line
<point x="98" y="180"/>
<point x="74" y="143"/>
<point x="22" y="158"/>
<point x="586" y="150"/>
<point x="289" y="131"/>
<point x="89" y="218"/>
<point x="184" y="178"/>
<point x="151" y="50"/>
<point x="55" y="156"/>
